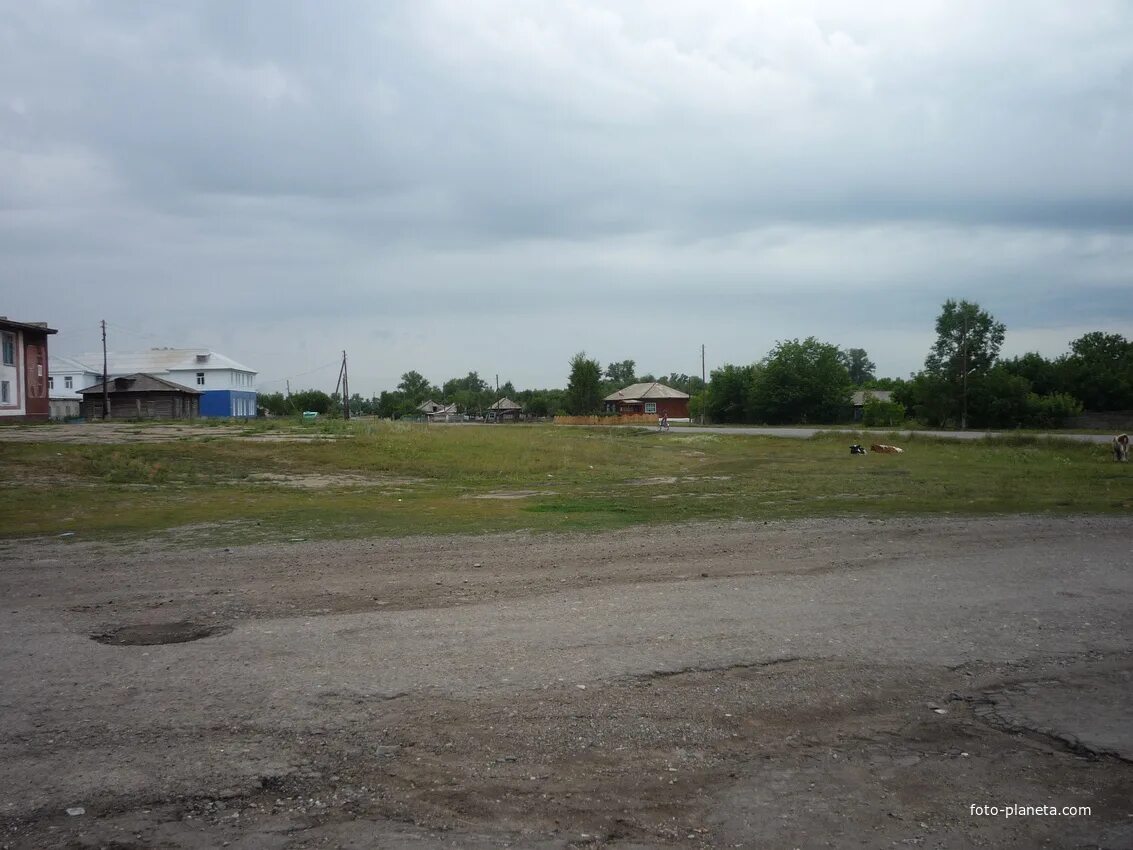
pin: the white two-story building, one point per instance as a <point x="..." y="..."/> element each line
<point x="227" y="388"/>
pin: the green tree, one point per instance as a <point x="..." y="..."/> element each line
<point x="584" y="389"/>
<point x="315" y="400"/>
<point x="801" y="382"/>
<point x="1099" y="371"/>
<point x="416" y="388"/>
<point x="274" y="403"/>
<point x="729" y="393"/>
<point x="621" y="374"/>
<point x="858" y="364"/>
<point x="967" y="344"/>
<point x="1043" y="374"/>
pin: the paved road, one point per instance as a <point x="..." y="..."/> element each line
<point x="805" y="684"/>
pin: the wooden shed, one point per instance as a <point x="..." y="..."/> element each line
<point x="142" y="396"/>
<point x="504" y="410"/>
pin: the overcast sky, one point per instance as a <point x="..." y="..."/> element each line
<point x="493" y="186"/>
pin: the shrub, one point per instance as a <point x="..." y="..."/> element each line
<point x="887" y="413"/>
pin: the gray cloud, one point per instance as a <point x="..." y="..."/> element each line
<point x="619" y="177"/>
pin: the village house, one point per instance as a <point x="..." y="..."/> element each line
<point x="435" y="412"/>
<point x="24" y="371"/>
<point x="859" y="399"/>
<point x="504" y="410"/>
<point x="140" y="396"/>
<point x="226" y="388"/>
<point x="650" y="399"/>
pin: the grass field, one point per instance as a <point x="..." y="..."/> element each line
<point x="243" y="484"/>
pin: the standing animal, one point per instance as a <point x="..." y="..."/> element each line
<point x="1121" y="447"/>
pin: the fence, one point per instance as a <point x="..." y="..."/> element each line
<point x="634" y="419"/>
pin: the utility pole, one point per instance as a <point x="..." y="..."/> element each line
<point x="345" y="389"/>
<point x="105" y="379"/>
<point x="343" y="383"/>
<point x="964" y="378"/>
<point x="703" y="385"/>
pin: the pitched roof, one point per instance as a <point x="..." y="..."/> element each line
<point x="58" y="363"/>
<point x="160" y="360"/>
<point x="859" y="398"/>
<point x="431" y="406"/>
<point x="637" y="392"/>
<point x="140" y="383"/>
<point x="506" y="404"/>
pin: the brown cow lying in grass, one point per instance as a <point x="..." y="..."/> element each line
<point x="885" y="450"/>
<point x="1121" y="447"/>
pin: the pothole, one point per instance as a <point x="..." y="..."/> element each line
<point x="150" y="634"/>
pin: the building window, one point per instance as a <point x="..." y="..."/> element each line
<point x="650" y="407"/>
<point x="200" y="379"/>
<point x="50" y="382"/>
<point x="9" y="349"/>
<point x="68" y="382"/>
<point x="5" y="392"/>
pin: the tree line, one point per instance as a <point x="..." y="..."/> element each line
<point x="964" y="383"/>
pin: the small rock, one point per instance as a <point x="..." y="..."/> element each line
<point x="941" y="710"/>
<point x="75" y="811"/>
<point x="477" y="566"/>
<point x="581" y="687"/>
<point x="67" y="534"/>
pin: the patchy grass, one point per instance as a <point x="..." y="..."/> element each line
<point x="393" y="479"/>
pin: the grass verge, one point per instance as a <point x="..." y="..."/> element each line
<point x="243" y="484"/>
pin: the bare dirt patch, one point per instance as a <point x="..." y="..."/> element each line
<point x="314" y="481"/>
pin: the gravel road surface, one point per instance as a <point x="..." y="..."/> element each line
<point x="804" y="684"/>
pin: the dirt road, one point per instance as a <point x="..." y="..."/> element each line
<point x="815" y="684"/>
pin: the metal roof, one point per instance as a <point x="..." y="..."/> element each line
<point x="140" y="383"/>
<point x="57" y="363"/>
<point x="160" y="360"/>
<point x="859" y="397"/>
<point x="646" y="391"/>
<point x="506" y="404"/>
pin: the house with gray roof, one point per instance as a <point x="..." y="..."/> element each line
<point x="652" y="399"/>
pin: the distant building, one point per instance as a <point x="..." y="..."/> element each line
<point x="504" y="410"/>
<point x="652" y="399"/>
<point x="141" y="396"/>
<point x="859" y="399"/>
<point x="226" y="387"/>
<point x="24" y="371"/>
<point x="437" y="412"/>
<point x="66" y="376"/>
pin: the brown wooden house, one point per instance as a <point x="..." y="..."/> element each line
<point x="142" y="396"/>
<point x="651" y="399"/>
<point x="504" y="410"/>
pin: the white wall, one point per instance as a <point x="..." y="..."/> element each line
<point x="79" y="381"/>
<point x="215" y="379"/>
<point x="16" y="404"/>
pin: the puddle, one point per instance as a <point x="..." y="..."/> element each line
<point x="151" y="634"/>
